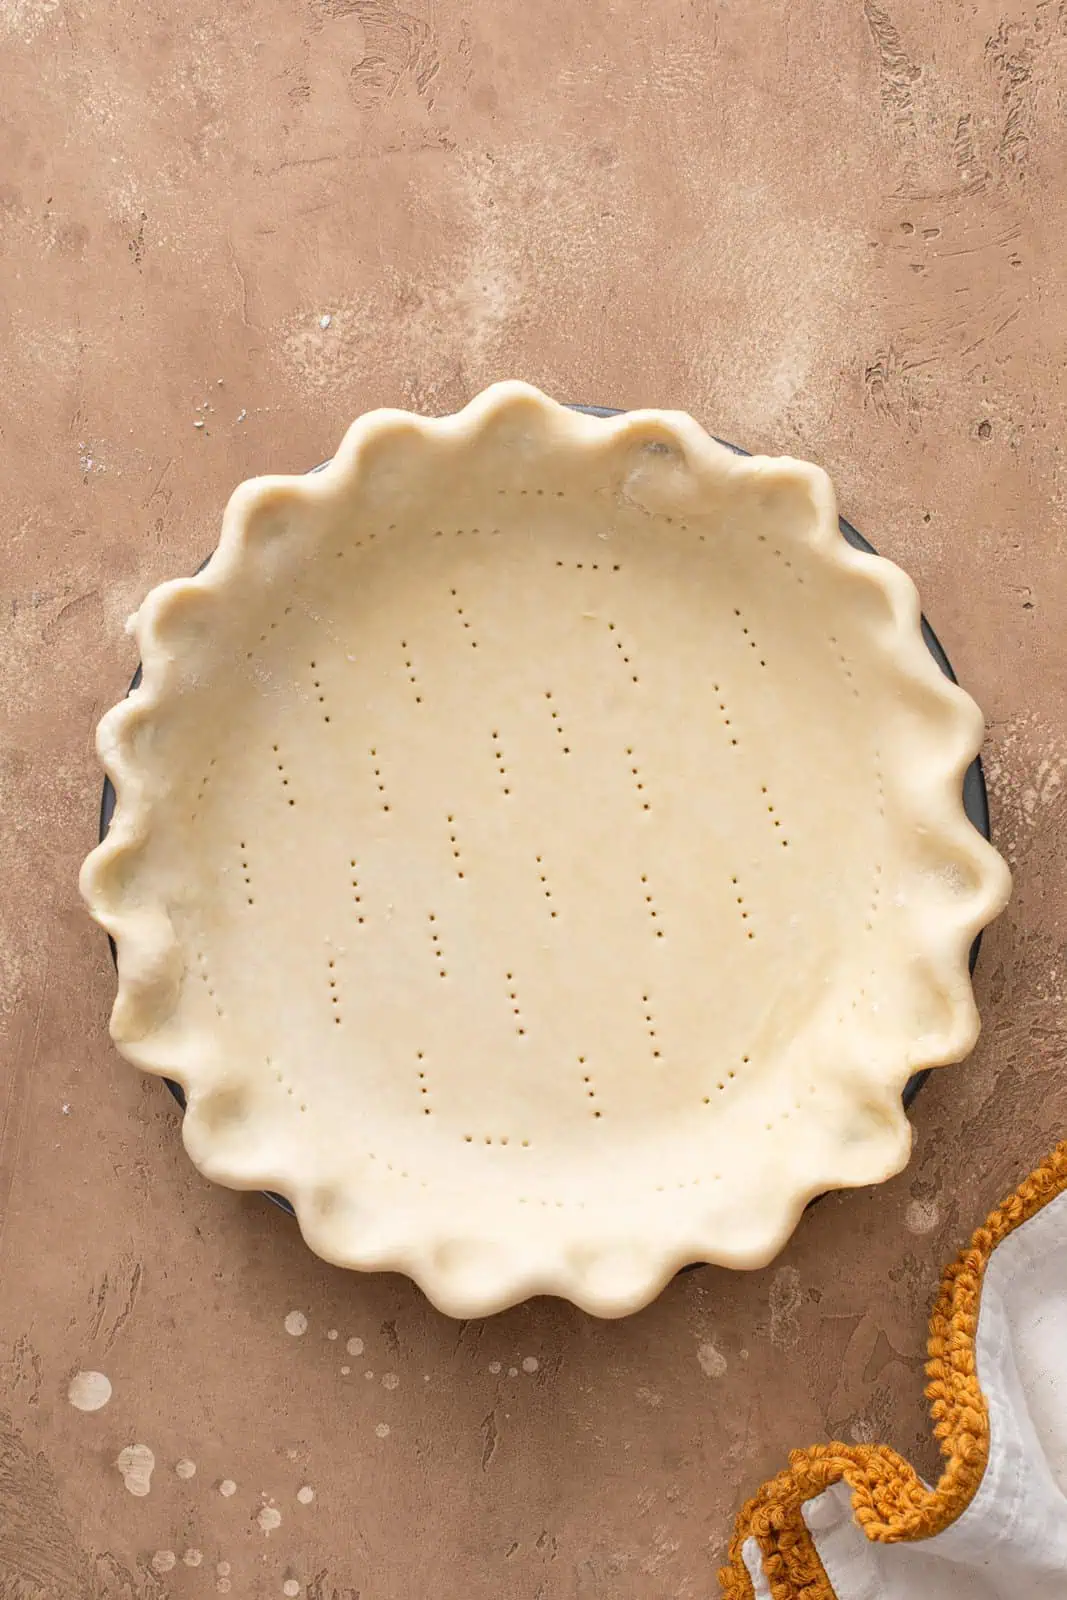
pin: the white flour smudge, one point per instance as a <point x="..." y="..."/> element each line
<point x="390" y="1380"/>
<point x="355" y="1347"/>
<point x="163" y="1560"/>
<point x="296" y="1323"/>
<point x="88" y="1391"/>
<point x="712" y="1361"/>
<point x="185" y="1468"/>
<point x="383" y="1430"/>
<point x="269" y="1518"/>
<point x="922" y="1216"/>
<point x="784" y="1304"/>
<point x="136" y="1463"/>
<point x="227" y="1487"/>
<point x="193" y="1557"/>
<point x="530" y="1363"/>
<point x="305" y="1494"/>
<point x="24" y="19"/>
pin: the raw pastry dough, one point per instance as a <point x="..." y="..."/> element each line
<point x="539" y="852"/>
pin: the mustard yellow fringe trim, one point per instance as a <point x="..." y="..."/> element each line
<point x="889" y="1501"/>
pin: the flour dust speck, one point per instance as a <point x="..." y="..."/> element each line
<point x="227" y="1488"/>
<point x="185" y="1468"/>
<point x="383" y="1430"/>
<point x="390" y="1380"/>
<point x="296" y="1324"/>
<point x="305" y="1494"/>
<point x="355" y="1347"/>
<point x="163" y="1560"/>
<point x="193" y="1557"/>
<point x="530" y="1363"/>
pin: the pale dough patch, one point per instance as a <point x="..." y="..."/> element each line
<point x="89" y="1391"/>
<point x="136" y="1463"/>
<point x="554" y="862"/>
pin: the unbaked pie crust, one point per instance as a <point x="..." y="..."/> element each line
<point x="539" y="852"/>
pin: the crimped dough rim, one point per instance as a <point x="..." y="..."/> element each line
<point x="477" y="1262"/>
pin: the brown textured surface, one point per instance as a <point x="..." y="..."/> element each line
<point x="834" y="230"/>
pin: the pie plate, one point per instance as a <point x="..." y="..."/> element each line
<point x="539" y="852"/>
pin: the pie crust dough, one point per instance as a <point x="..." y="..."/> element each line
<point x="539" y="852"/>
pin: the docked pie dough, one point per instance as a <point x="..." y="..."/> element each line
<point x="539" y="852"/>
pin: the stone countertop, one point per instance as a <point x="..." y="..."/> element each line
<point x="830" y="230"/>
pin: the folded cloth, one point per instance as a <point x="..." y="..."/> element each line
<point x="856" y="1522"/>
